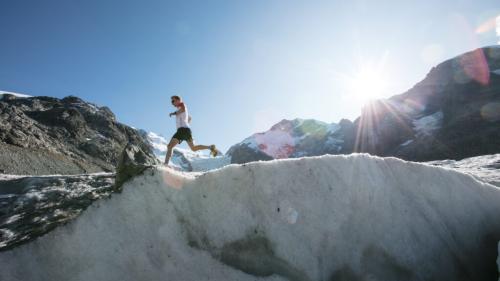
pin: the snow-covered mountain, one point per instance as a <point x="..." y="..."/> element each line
<point x="158" y="142"/>
<point x="291" y="139"/>
<point x="184" y="159"/>
<point x="322" y="218"/>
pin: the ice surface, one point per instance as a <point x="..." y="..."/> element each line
<point x="319" y="218"/>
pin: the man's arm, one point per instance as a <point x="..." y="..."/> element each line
<point x="182" y="108"/>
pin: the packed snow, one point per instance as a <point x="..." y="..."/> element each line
<point x="427" y="125"/>
<point x="322" y="218"/>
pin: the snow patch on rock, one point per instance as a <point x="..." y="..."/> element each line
<point x="427" y="125"/>
<point x="406" y="143"/>
<point x="14" y="94"/>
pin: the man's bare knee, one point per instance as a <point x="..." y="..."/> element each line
<point x="172" y="144"/>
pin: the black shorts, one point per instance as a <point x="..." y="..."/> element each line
<point x="183" y="134"/>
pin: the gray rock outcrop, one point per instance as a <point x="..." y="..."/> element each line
<point x="45" y="135"/>
<point x="133" y="161"/>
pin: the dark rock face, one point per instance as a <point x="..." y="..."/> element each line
<point x="133" y="161"/>
<point x="44" y="135"/>
<point x="33" y="206"/>
<point x="454" y="113"/>
<point x="242" y="153"/>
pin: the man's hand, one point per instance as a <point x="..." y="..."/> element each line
<point x="172" y="114"/>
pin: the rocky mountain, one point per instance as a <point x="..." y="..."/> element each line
<point x="453" y="113"/>
<point x="46" y="135"/>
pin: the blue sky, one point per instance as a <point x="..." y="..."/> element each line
<point x="241" y="66"/>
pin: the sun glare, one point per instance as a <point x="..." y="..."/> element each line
<point x="368" y="84"/>
<point x="365" y="84"/>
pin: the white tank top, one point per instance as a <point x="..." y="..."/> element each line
<point x="182" y="119"/>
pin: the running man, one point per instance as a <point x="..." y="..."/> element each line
<point x="182" y="120"/>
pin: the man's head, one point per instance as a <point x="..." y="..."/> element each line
<point x="176" y="100"/>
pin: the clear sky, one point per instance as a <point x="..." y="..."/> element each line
<point x="241" y="66"/>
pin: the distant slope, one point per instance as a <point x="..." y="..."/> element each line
<point x="45" y="135"/>
<point x="453" y="113"/>
<point x="324" y="218"/>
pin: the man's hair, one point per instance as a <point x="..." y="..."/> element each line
<point x="175" y="97"/>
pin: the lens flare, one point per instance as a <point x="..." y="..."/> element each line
<point x="172" y="179"/>
<point x="490" y="25"/>
<point x="476" y="66"/>
<point x="491" y="112"/>
<point x="487" y="25"/>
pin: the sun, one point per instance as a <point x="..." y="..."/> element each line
<point x="365" y="80"/>
<point x="368" y="83"/>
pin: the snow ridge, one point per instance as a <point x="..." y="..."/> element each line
<point x="316" y="218"/>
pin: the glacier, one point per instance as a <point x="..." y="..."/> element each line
<point x="354" y="217"/>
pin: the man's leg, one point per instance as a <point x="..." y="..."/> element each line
<point x="173" y="142"/>
<point x="198" y="147"/>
